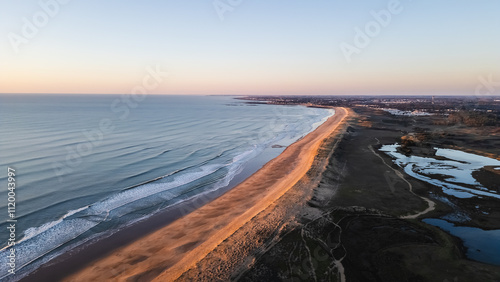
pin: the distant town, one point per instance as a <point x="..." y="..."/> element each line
<point x="469" y="110"/>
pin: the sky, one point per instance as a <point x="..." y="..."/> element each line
<point x="245" y="47"/>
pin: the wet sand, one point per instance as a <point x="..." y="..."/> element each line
<point x="167" y="253"/>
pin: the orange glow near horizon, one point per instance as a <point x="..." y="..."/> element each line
<point x="260" y="49"/>
<point x="200" y="83"/>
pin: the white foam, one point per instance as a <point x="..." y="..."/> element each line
<point x="34" y="231"/>
<point x="36" y="247"/>
<point x="146" y="190"/>
<point x="315" y="125"/>
<point x="37" y="242"/>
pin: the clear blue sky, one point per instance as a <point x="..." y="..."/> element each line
<point x="260" y="47"/>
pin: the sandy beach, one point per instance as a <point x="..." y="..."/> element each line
<point x="167" y="253"/>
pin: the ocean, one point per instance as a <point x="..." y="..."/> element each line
<point x="87" y="166"/>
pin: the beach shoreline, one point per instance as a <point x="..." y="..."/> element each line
<point x="168" y="252"/>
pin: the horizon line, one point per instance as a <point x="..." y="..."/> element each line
<point x="258" y="95"/>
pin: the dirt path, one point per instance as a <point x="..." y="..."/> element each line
<point x="431" y="204"/>
<point x="338" y="262"/>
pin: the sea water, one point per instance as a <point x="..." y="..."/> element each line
<point x="88" y="165"/>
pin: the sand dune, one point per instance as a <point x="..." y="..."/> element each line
<point x="167" y="253"/>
